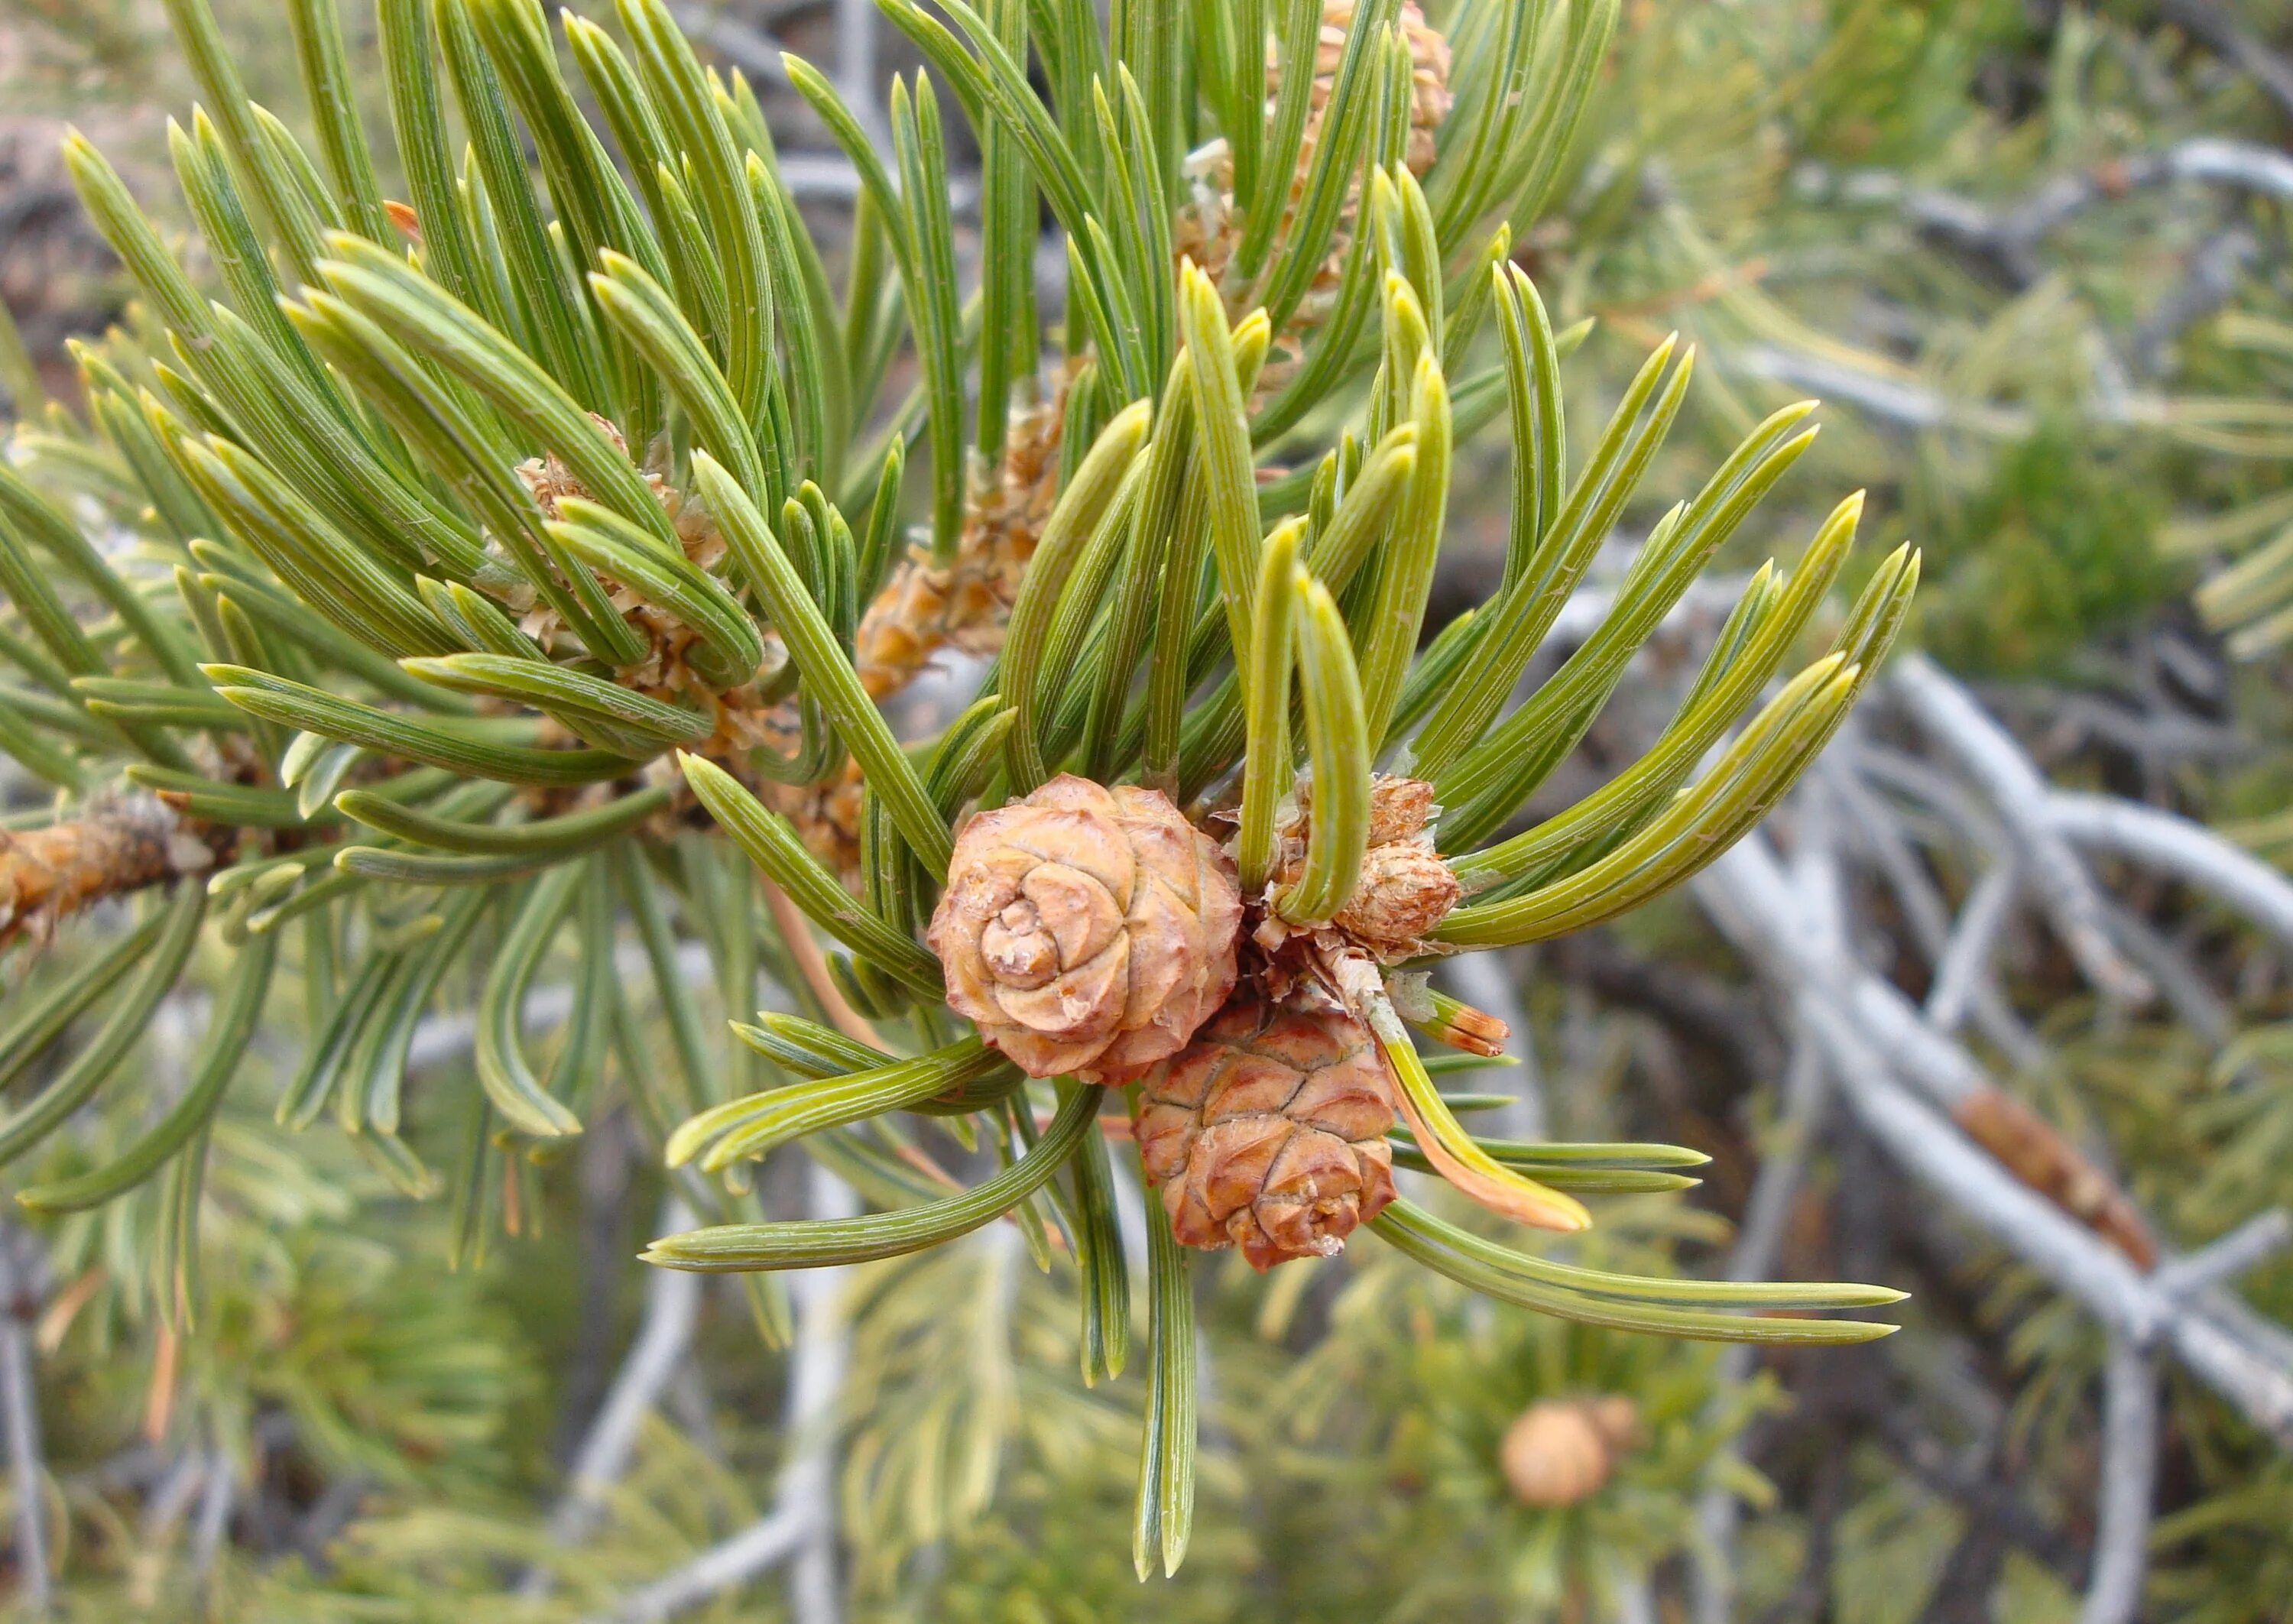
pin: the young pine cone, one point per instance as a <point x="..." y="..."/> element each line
<point x="1560" y="1451"/>
<point x="1088" y="931"/>
<point x="1269" y="1131"/>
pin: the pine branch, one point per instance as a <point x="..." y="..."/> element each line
<point x="1755" y="906"/>
<point x="21" y="1288"/>
<point x="2128" y="1481"/>
<point x="800" y="1530"/>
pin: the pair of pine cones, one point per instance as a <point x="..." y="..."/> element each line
<point x="1093" y="932"/>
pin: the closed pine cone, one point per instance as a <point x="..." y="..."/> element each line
<point x="1087" y="930"/>
<point x="1269" y="1131"/>
<point x="1560" y="1451"/>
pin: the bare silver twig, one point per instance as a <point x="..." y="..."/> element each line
<point x="2011" y="783"/>
<point x="2165" y="843"/>
<point x="1880" y="832"/>
<point x="2195" y="1004"/>
<point x="2248" y="1245"/>
<point x="664" y="1335"/>
<point x="1929" y="787"/>
<point x="1748" y="893"/>
<point x="1902" y="401"/>
<point x="1964" y="962"/>
<point x="2218" y="27"/>
<point x="2009" y="234"/>
<point x="801" y="1527"/>
<point x="216" y="1499"/>
<point x="23" y="1284"/>
<point x="755" y="1549"/>
<point x="2209" y="280"/>
<point x="824" y="1348"/>
<point x="2128" y="1486"/>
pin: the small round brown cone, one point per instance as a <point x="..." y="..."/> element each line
<point x="1560" y="1451"/>
<point x="1087" y="930"/>
<point x="1268" y="1132"/>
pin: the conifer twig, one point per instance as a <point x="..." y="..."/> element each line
<point x="216" y="1497"/>
<point x="20" y="1417"/>
<point x="2009" y="234"/>
<point x="2127" y="1485"/>
<point x="664" y="1338"/>
<point x="1747" y="895"/>
<point x="120" y="844"/>
<point x="1880" y="832"/>
<point x="817" y="1367"/>
<point x="1963" y="967"/>
<point x="2249" y="1244"/>
<point x="2016" y="792"/>
<point x="2219" y="27"/>
<point x="2170" y="844"/>
<point x="755" y="1549"/>
<point x="801" y="1526"/>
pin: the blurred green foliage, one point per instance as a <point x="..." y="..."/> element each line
<point x="2055" y="554"/>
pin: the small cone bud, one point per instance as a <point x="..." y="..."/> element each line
<point x="1269" y="1131"/>
<point x="1087" y="930"/>
<point x="1560" y="1451"/>
<point x="1406" y="890"/>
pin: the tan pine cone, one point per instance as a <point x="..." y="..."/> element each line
<point x="1205" y="230"/>
<point x="1268" y="1132"/>
<point x="966" y="603"/>
<point x="1560" y="1451"/>
<point x="1088" y="931"/>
